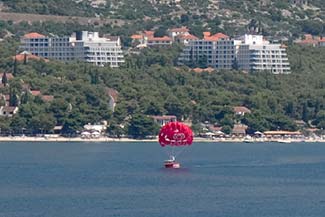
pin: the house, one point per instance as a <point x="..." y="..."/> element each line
<point x="147" y="39"/>
<point x="101" y="128"/>
<point x="239" y="130"/>
<point x="45" y="98"/>
<point x="25" y="56"/>
<point x="241" y="110"/>
<point x="8" y="111"/>
<point x="186" y="38"/>
<point x="162" y="120"/>
<point x="174" y="32"/>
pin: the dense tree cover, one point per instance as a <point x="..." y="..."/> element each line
<point x="151" y="84"/>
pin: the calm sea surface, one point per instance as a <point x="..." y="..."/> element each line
<point x="128" y="180"/>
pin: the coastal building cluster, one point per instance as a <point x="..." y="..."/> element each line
<point x="83" y="46"/>
<point x="215" y="51"/>
<point x="220" y="51"/>
<point x="248" y="52"/>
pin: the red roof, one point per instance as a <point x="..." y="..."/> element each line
<point x="215" y="37"/>
<point x="34" y="35"/>
<point x="35" y="92"/>
<point x="136" y="36"/>
<point x="21" y="57"/>
<point x="188" y="37"/>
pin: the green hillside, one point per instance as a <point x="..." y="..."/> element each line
<point x="149" y="84"/>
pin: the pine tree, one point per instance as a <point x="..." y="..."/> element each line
<point x="4" y="79"/>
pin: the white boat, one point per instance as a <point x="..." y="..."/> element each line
<point x="284" y="141"/>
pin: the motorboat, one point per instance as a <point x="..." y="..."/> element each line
<point x="172" y="163"/>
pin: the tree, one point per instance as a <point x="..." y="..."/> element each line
<point x="4" y="79"/>
<point x="142" y="126"/>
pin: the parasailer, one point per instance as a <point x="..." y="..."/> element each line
<point x="174" y="136"/>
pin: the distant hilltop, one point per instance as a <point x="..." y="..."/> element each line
<point x="20" y="17"/>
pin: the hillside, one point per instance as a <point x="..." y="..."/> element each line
<point x="150" y="83"/>
<point x="276" y="18"/>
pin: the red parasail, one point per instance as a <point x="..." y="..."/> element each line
<point x="175" y="134"/>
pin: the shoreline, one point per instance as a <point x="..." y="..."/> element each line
<point x="108" y="139"/>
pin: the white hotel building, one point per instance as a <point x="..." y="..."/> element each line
<point x="83" y="46"/>
<point x="249" y="52"/>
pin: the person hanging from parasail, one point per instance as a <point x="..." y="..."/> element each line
<point x="174" y="136"/>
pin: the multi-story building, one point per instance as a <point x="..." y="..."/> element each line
<point x="263" y="55"/>
<point x="83" y="46"/>
<point x="249" y="52"/>
<point x="216" y="51"/>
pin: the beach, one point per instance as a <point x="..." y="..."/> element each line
<point x="109" y="139"/>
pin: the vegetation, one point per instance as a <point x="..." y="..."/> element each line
<point x="150" y="84"/>
<point x="272" y="18"/>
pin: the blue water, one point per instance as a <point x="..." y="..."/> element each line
<point x="127" y="180"/>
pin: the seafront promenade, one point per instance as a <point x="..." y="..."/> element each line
<point x="109" y="139"/>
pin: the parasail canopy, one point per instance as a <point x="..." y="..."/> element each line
<point x="175" y="134"/>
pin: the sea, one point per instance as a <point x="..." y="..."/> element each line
<point x="127" y="179"/>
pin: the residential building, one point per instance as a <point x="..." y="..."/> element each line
<point x="147" y="39"/>
<point x="174" y="32"/>
<point x="25" y="56"/>
<point x="249" y="52"/>
<point x="239" y="130"/>
<point x="263" y="55"/>
<point x="83" y="46"/>
<point x="8" y="111"/>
